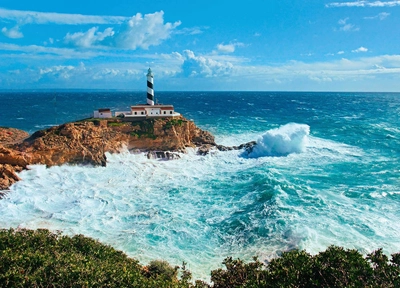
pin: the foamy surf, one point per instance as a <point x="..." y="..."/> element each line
<point x="201" y="209"/>
<point x="282" y="141"/>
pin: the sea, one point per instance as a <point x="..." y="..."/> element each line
<point x="325" y="171"/>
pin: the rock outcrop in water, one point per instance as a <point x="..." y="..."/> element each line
<point x="86" y="141"/>
<point x="11" y="161"/>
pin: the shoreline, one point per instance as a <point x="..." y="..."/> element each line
<point x="86" y="141"/>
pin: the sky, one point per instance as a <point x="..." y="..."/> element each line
<point x="218" y="45"/>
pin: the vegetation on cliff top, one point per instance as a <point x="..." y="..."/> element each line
<point x="44" y="259"/>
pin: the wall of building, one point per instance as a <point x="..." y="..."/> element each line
<point x="97" y="114"/>
<point x="153" y="111"/>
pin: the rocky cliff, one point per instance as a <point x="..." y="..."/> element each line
<point x="12" y="135"/>
<point x="11" y="162"/>
<point x="166" y="135"/>
<point x="86" y="141"/>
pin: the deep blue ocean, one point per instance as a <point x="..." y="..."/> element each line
<point x="325" y="171"/>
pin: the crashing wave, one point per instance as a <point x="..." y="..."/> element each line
<point x="282" y="141"/>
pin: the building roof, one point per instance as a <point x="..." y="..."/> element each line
<point x="152" y="106"/>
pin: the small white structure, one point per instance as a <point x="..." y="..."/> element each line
<point x="148" y="111"/>
<point x="102" y="113"/>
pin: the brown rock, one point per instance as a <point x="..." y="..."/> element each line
<point x="8" y="176"/>
<point x="14" y="157"/>
<point x="80" y="142"/>
<point x="12" y="136"/>
<point x="85" y="142"/>
<point x="167" y="134"/>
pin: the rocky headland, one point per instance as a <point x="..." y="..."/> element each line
<point x="86" y="141"/>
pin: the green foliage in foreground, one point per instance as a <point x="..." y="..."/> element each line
<point x="335" y="267"/>
<point x="44" y="259"/>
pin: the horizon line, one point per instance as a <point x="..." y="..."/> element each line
<point x="169" y="91"/>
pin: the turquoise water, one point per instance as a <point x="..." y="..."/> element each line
<point x="325" y="172"/>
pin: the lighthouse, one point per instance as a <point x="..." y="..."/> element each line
<point x="146" y="110"/>
<point x="150" y="89"/>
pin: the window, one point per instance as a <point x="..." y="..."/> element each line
<point x="135" y="113"/>
<point x="170" y="112"/>
<point x="165" y="112"/>
<point x="142" y="112"/>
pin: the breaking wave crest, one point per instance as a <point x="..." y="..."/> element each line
<point x="282" y="141"/>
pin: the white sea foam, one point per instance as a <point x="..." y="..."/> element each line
<point x="202" y="209"/>
<point x="44" y="126"/>
<point x="287" y="139"/>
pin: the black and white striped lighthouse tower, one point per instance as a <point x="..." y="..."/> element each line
<point x="150" y="89"/>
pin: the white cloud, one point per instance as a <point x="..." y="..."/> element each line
<point x="380" y="16"/>
<point x="229" y="48"/>
<point x="25" y="17"/>
<point x="338" y="71"/>
<point x="13" y="51"/>
<point x="80" y="74"/>
<point x="139" y="31"/>
<point x="34" y="50"/>
<point x="144" y="31"/>
<point x="192" y="30"/>
<point x="129" y="32"/>
<point x="361" y="49"/>
<point x="64" y="72"/>
<point x="347" y="27"/>
<point x="222" y="71"/>
<point x="364" y="4"/>
<point x="12" y="33"/>
<point x="378" y="66"/>
<point x="204" y="66"/>
<point x="88" y="39"/>
<point x="340" y="52"/>
<point x="106" y="73"/>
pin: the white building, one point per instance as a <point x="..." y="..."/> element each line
<point x="102" y="113"/>
<point x="149" y="111"/>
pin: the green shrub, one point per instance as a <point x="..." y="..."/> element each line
<point x="146" y="129"/>
<point x="239" y="274"/>
<point x="44" y="259"/>
<point x="173" y="122"/>
<point x="162" y="269"/>
<point x="116" y="124"/>
<point x="335" y="267"/>
<point x="143" y="134"/>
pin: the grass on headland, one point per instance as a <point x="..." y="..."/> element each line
<point x="43" y="259"/>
